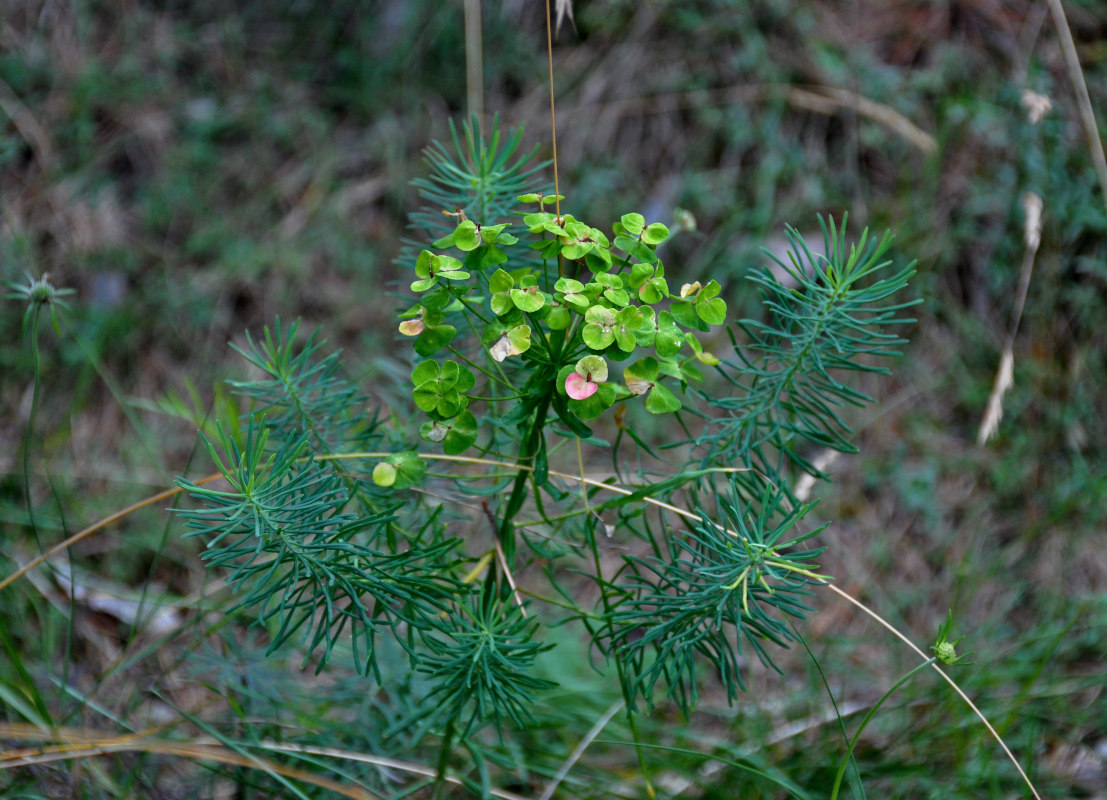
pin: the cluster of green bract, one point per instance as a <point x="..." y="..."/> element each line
<point x="585" y="301"/>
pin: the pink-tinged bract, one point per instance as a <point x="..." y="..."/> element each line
<point x="578" y="387"/>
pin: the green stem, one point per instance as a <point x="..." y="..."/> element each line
<point x="539" y="342"/>
<point x="443" y="760"/>
<point x="29" y="430"/>
<point x="472" y="309"/>
<point x="528" y="450"/>
<point x="556" y="517"/>
<point x="480" y="369"/>
<point x="577" y="610"/>
<point x="627" y="699"/>
<point x="572" y="334"/>
<point x="865" y="722"/>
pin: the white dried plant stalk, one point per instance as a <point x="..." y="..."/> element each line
<point x="1005" y="376"/>
<point x="565" y="9"/>
<point x="1005" y="379"/>
<point x="806" y="483"/>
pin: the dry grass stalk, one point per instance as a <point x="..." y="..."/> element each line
<point x="1005" y="376"/>
<point x="91" y="745"/>
<point x="574" y="757"/>
<point x="953" y="684"/>
<point x="829" y="100"/>
<point x="1084" y="100"/>
<point x="474" y="59"/>
<point x="26" y="125"/>
<point x="824" y="100"/>
<point x="1005" y="379"/>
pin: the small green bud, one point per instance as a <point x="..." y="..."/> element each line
<point x="384" y="474"/>
<point x="945" y="652"/>
<point x="944" y="648"/>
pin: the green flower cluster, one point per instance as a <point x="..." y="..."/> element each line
<point x="587" y="300"/>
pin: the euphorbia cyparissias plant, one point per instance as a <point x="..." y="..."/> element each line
<point x="523" y="335"/>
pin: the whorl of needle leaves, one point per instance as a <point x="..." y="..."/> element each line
<point x="282" y="532"/>
<point x="303" y="395"/>
<point x="716" y="578"/>
<point x="477" y="661"/>
<point x="478" y="178"/>
<point x="831" y="319"/>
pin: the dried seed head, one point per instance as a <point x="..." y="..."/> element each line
<point x="1036" y="105"/>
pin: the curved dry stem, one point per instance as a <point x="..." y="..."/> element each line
<point x="91" y="529"/>
<point x="945" y="677"/>
<point x="380" y="761"/>
<point x="85" y="745"/>
<point x="488" y="462"/>
<point x="578" y="751"/>
<point x="825" y="100"/>
<point x="82" y="744"/>
<point x="1083" y="99"/>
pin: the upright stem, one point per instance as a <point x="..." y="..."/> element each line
<point x="29" y="430"/>
<point x="864" y="723"/>
<point x="628" y="701"/>
<point x="553" y="114"/>
<point x="444" y="759"/>
<point x="474" y="61"/>
<point x="528" y="450"/>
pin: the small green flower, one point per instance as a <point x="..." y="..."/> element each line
<point x="440" y="389"/>
<point x="38" y="294"/>
<point x="431" y="267"/>
<point x="944" y="649"/>
<point x="599" y="329"/>
<point x="572" y="293"/>
<point x="946" y="652"/>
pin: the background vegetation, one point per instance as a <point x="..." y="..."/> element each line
<point x="195" y="169"/>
